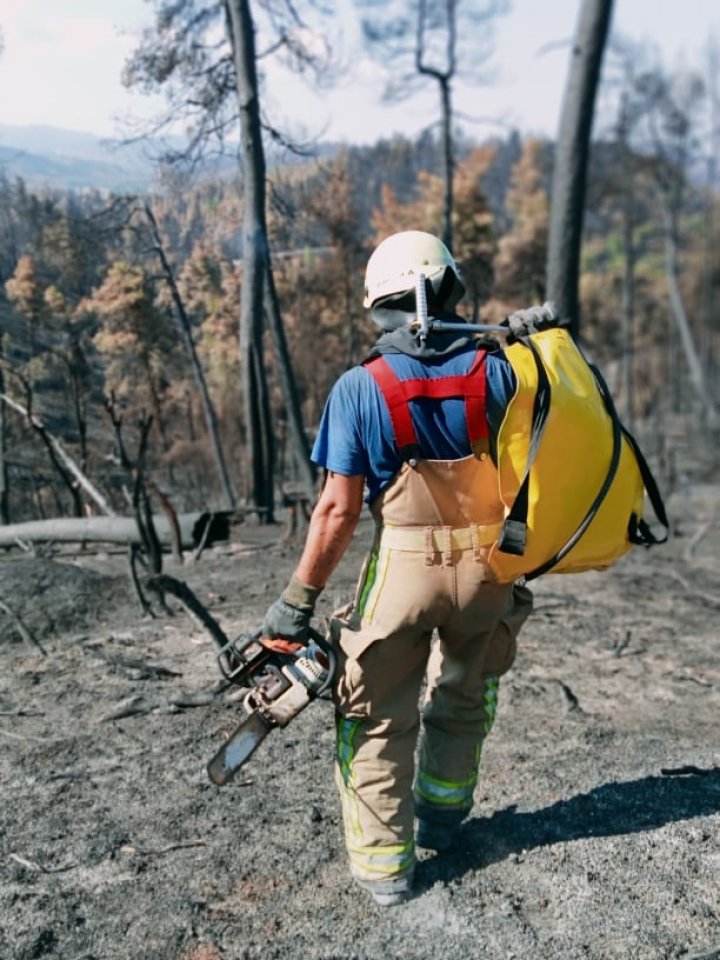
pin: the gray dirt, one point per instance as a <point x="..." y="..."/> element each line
<point x="595" y="829"/>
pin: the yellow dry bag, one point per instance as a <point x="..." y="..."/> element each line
<point x="575" y="484"/>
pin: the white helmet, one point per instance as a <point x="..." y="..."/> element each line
<point x="393" y="268"/>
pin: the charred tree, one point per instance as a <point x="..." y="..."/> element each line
<point x="148" y="552"/>
<point x="185" y="328"/>
<point x="255" y="256"/>
<point x="669" y="110"/>
<point x="211" y="80"/>
<point x="571" y="160"/>
<point x="436" y="41"/>
<point x="4" y="488"/>
<point x="443" y="77"/>
<point x="296" y="427"/>
<point x="67" y="469"/>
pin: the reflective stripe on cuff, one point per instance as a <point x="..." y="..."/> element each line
<point x="446" y="793"/>
<point x="388" y="860"/>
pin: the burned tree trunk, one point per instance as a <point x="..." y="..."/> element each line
<point x="255" y="255"/>
<point x="185" y="328"/>
<point x="682" y="322"/>
<point x="571" y="160"/>
<point x="71" y="473"/>
<point x="292" y="401"/>
<point x="4" y="489"/>
<point x="258" y="290"/>
<point x="192" y="528"/>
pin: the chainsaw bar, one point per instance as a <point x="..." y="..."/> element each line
<point x="238" y="749"/>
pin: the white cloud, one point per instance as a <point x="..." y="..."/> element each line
<point x="62" y="68"/>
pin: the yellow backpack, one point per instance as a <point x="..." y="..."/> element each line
<point x="574" y="485"/>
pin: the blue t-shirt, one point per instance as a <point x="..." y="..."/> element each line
<point x="356" y="435"/>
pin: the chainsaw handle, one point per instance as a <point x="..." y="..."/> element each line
<point x="319" y="640"/>
<point x="327" y="650"/>
<point x="237" y="659"/>
<point x="291" y="648"/>
<point x="281" y="645"/>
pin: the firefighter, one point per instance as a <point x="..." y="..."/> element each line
<point x="412" y="428"/>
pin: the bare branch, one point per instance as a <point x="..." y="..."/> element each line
<point x="197" y="610"/>
<point x="22" y="629"/>
<point x="62" y="455"/>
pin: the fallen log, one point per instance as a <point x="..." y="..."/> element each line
<point x="195" y="528"/>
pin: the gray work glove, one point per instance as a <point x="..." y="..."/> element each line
<point x="290" y="616"/>
<point x="524" y="322"/>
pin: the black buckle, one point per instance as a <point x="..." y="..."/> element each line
<point x="513" y="538"/>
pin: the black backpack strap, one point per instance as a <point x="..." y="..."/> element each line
<point x="513" y="537"/>
<point x="638" y="530"/>
<point x="617" y="432"/>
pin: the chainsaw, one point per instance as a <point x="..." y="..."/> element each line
<point x="282" y="678"/>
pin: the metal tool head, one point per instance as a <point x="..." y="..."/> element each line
<point x="238" y="749"/>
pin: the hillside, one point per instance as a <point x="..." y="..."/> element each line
<point x="62" y="159"/>
<point x="66" y="159"/>
<point x="596" y="828"/>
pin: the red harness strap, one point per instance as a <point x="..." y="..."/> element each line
<point x="472" y="386"/>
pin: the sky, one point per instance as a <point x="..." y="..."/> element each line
<point x="62" y="61"/>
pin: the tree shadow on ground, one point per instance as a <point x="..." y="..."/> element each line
<point x="610" y="810"/>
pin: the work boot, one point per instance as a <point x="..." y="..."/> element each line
<point x="389" y="892"/>
<point x="437" y="829"/>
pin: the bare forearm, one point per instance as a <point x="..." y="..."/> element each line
<point x="327" y="540"/>
<point x="332" y="525"/>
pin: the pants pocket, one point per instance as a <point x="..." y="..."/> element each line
<point x="350" y="642"/>
<point x="503" y="643"/>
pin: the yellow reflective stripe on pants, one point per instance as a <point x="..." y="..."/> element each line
<point x="373" y="581"/>
<point x="346" y="730"/>
<point x="490" y="699"/>
<point x="444" y="792"/>
<point x="448" y="793"/>
<point x="459" y="793"/>
<point x="368" y="582"/>
<point x="367" y="861"/>
<point x="387" y="860"/>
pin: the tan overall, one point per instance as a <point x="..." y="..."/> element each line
<point x="427" y="570"/>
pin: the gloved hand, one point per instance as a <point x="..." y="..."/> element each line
<point x="524" y="322"/>
<point x="289" y="617"/>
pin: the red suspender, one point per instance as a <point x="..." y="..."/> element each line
<point x="397" y="394"/>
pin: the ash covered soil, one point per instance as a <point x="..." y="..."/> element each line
<point x="596" y="826"/>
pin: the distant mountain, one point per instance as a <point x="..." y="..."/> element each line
<point x="50" y="156"/>
<point x="68" y="159"/>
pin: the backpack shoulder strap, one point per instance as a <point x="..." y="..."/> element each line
<point x="513" y="538"/>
